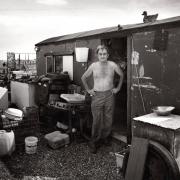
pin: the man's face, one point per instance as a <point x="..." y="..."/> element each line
<point x="102" y="55"/>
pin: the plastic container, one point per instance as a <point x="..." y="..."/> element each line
<point x="81" y="54"/>
<point x="56" y="139"/>
<point x="119" y="159"/>
<point x="7" y="142"/>
<point x="31" y="144"/>
<point x="13" y="114"/>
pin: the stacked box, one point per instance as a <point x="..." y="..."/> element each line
<point x="56" y="139"/>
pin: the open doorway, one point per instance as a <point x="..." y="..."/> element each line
<point x="118" y="54"/>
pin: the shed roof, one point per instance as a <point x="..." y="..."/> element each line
<point x="106" y="30"/>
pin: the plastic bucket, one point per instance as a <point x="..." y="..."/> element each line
<point x="119" y="160"/>
<point x="31" y="144"/>
<point x="82" y="54"/>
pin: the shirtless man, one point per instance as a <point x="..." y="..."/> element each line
<point x="102" y="93"/>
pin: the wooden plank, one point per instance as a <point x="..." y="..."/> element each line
<point x="129" y="94"/>
<point x="137" y="158"/>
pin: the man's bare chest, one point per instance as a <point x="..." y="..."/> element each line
<point x="103" y="71"/>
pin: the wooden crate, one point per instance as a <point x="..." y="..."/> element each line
<point x="162" y="129"/>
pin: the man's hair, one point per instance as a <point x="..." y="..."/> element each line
<point x="102" y="47"/>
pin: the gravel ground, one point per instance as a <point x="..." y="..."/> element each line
<point x="73" y="162"/>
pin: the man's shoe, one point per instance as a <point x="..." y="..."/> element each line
<point x="92" y="147"/>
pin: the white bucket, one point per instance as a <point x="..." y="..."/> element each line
<point x="31" y="144"/>
<point x="82" y="54"/>
<point x="119" y="160"/>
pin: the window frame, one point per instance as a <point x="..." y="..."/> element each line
<point x="53" y="59"/>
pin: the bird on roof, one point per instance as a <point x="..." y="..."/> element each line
<point x="149" y="18"/>
<point x="119" y="27"/>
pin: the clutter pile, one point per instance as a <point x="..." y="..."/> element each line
<point x="18" y="125"/>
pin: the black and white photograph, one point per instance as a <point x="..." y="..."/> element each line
<point x="89" y="90"/>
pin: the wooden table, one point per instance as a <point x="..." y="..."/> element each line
<point x="162" y="129"/>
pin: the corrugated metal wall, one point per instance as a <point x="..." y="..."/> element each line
<point x="155" y="70"/>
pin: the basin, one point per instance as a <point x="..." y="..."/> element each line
<point x="73" y="98"/>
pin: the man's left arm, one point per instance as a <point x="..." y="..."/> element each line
<point x="121" y="74"/>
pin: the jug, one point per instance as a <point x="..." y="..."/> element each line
<point x="7" y="142"/>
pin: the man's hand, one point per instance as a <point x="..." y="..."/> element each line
<point x="91" y="92"/>
<point x="115" y="90"/>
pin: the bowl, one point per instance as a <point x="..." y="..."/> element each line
<point x="163" y="110"/>
<point x="13" y="114"/>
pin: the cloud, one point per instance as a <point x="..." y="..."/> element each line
<point x="52" y="2"/>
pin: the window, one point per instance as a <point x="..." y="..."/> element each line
<point x="68" y="65"/>
<point x="49" y="64"/>
<point x="60" y="64"/>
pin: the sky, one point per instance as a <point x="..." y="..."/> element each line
<point x="23" y="23"/>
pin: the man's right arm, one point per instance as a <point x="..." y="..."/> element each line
<point x="84" y="77"/>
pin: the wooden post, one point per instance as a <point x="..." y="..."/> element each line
<point x="137" y="159"/>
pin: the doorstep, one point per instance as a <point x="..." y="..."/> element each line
<point x="119" y="137"/>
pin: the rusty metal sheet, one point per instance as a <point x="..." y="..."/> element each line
<point x="155" y="70"/>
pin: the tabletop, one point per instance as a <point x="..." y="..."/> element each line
<point x="171" y="122"/>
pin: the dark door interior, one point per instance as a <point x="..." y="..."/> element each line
<point x="118" y="53"/>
